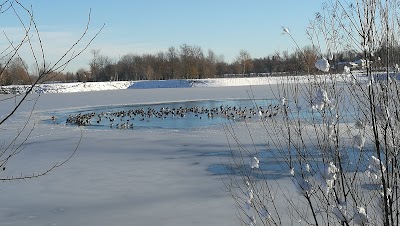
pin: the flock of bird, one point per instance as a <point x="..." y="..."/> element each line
<point x="125" y="119"/>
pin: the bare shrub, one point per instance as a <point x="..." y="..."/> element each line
<point x="14" y="67"/>
<point x="330" y="155"/>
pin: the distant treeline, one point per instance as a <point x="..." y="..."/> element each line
<point x="185" y="62"/>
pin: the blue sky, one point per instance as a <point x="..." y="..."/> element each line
<point x="149" y="26"/>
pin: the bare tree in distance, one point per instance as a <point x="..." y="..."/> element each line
<point x="244" y="62"/>
<point x="11" y="56"/>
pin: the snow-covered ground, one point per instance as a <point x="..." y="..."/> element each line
<point x="117" y="177"/>
<point x="150" y="84"/>
<point x="123" y="177"/>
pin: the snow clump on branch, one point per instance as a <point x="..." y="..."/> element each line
<point x="254" y="163"/>
<point x="322" y="65"/>
<point x="374" y="168"/>
<point x="321" y="100"/>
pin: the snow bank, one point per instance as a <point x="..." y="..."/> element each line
<point x="223" y="82"/>
<point x="82" y="87"/>
<point x="67" y="87"/>
<point x="253" y="81"/>
<point x="153" y="84"/>
<point x="150" y="84"/>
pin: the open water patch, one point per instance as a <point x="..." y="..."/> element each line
<point x="171" y="115"/>
<point x="179" y="115"/>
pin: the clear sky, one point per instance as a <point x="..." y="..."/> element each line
<point x="149" y="26"/>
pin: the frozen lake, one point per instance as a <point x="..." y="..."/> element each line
<point x="169" y="168"/>
<point x="169" y="171"/>
<point x="149" y="176"/>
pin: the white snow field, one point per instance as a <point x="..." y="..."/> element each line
<point x="151" y="84"/>
<point x="121" y="177"/>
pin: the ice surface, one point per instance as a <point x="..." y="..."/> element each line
<point x="136" y="177"/>
<point x="146" y="177"/>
